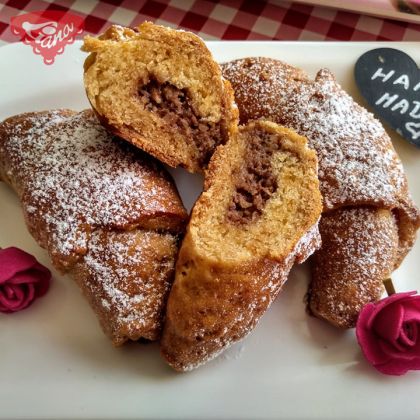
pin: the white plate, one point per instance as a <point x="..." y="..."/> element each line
<point x="55" y="362"/>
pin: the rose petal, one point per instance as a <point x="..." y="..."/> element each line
<point x="399" y="367"/>
<point x="10" y="291"/>
<point x="388" y="333"/>
<point x="412" y="309"/>
<point x="12" y="298"/>
<point x="22" y="279"/>
<point x="14" y="260"/>
<point x="408" y="334"/>
<point x="18" y="297"/>
<point x="385" y="302"/>
<point x="368" y="341"/>
<point x="388" y="322"/>
<point x="402" y="352"/>
<point x="4" y="301"/>
<point x="29" y="296"/>
<point x="43" y="276"/>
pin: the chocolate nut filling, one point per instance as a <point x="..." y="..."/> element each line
<point x="255" y="181"/>
<point x="173" y="106"/>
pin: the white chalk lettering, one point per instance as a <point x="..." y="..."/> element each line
<point x="417" y="87"/>
<point x="387" y="98"/>
<point x="403" y="104"/>
<point x="411" y="127"/>
<point x="403" y="80"/>
<point x="415" y="109"/>
<point x="384" y="76"/>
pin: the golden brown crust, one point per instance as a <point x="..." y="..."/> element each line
<point x="358" y="164"/>
<point x="359" y="250"/>
<point x="105" y="212"/>
<point x="228" y="274"/>
<point x="126" y="277"/>
<point x="161" y="90"/>
<point x="25" y="124"/>
<point x="359" y="168"/>
<point x="215" y="306"/>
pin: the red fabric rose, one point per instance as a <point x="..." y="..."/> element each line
<point x="388" y="332"/>
<point x="22" y="279"/>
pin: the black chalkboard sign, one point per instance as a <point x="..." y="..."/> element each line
<point x="389" y="80"/>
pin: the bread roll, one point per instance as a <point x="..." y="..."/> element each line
<point x="106" y="213"/>
<point x="258" y="214"/>
<point x="369" y="219"/>
<point x="161" y="90"/>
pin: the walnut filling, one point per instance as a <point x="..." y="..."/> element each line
<point x="173" y="106"/>
<point x="255" y="181"/>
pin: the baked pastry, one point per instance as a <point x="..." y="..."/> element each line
<point x="258" y="214"/>
<point x="369" y="220"/>
<point x="161" y="90"/>
<point x="106" y="213"/>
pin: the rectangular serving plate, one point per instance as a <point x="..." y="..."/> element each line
<point x="56" y="363"/>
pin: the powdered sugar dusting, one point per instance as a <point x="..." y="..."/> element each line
<point x="89" y="199"/>
<point x="358" y="166"/>
<point x="359" y="252"/>
<point x="129" y="276"/>
<point x="356" y="159"/>
<point x="73" y="177"/>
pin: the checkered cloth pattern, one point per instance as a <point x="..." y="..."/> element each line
<point x="225" y="19"/>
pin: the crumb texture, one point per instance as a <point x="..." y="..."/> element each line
<point x="364" y="188"/>
<point x="357" y="162"/>
<point x="255" y="181"/>
<point x="227" y="274"/>
<point x="174" y="106"/>
<point x="161" y="90"/>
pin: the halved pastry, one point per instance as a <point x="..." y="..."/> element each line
<point x="257" y="215"/>
<point x="161" y="90"/>
<point x="106" y="213"/>
<point x="369" y="220"/>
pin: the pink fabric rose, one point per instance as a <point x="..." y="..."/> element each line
<point x="388" y="332"/>
<point x="22" y="279"/>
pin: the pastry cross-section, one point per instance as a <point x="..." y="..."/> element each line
<point x="369" y="219"/>
<point x="258" y="214"/>
<point x="161" y="90"/>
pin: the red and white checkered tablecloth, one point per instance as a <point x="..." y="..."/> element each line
<point x="225" y="19"/>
